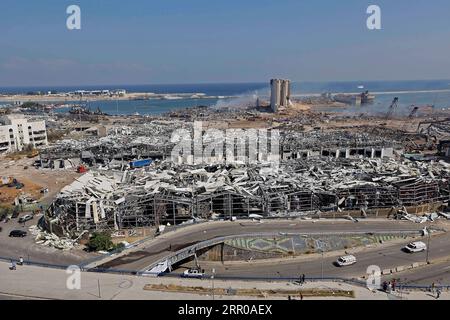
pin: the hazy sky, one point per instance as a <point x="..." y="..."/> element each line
<point x="193" y="41"/>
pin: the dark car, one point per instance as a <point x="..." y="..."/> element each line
<point x="18" y="234"/>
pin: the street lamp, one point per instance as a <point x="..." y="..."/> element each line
<point x="322" y="264"/>
<point x="428" y="247"/>
<point x="212" y="278"/>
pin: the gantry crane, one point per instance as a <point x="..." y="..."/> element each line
<point x="392" y="108"/>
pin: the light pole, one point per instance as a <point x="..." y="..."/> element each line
<point x="322" y="265"/>
<point x="99" y="291"/>
<point x="212" y="278"/>
<point x="428" y="247"/>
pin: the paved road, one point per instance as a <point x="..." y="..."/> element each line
<point x="386" y="256"/>
<point x="166" y="244"/>
<point x="438" y="273"/>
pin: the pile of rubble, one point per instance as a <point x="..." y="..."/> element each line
<point x="51" y="240"/>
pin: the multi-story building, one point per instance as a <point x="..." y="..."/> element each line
<point x="17" y="132"/>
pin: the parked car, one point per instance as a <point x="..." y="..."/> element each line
<point x="17" y="234"/>
<point x="414" y="247"/>
<point x="25" y="218"/>
<point x="345" y="261"/>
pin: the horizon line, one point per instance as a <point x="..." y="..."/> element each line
<point x="214" y="83"/>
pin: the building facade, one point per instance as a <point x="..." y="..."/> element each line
<point x="17" y="132"/>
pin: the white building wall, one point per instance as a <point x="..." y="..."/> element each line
<point x="17" y="132"/>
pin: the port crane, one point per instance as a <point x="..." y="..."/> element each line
<point x="392" y="108"/>
<point x="413" y="112"/>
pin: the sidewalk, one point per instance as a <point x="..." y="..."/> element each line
<point x="37" y="282"/>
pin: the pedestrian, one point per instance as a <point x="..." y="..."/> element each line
<point x="20" y="261"/>
<point x="289" y="298"/>
<point x="389" y="287"/>
<point x="303" y="278"/>
<point x="393" y="285"/>
<point x="438" y="293"/>
<point x="432" y="287"/>
<point x="301" y="296"/>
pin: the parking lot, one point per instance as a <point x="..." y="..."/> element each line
<point x="29" y="250"/>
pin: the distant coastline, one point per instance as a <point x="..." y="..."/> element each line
<point x="139" y="96"/>
<point x="159" y="99"/>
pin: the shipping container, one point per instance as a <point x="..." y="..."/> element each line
<point x="140" y="163"/>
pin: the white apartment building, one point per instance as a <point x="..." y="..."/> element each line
<point x="16" y="132"/>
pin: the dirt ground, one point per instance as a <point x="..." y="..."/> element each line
<point x="33" y="179"/>
<point x="7" y="195"/>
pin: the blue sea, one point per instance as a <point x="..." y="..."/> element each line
<point x="426" y="92"/>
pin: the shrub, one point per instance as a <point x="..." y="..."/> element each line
<point x="100" y="242"/>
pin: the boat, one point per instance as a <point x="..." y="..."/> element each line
<point x="170" y="97"/>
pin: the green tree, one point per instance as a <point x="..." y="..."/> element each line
<point x="100" y="241"/>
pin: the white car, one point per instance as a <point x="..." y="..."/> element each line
<point x="345" y="261"/>
<point x="193" y="273"/>
<point x="417" y="246"/>
<point x="25" y="218"/>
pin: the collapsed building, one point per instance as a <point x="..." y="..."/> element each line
<point x="318" y="174"/>
<point x="340" y="144"/>
<point x="157" y="140"/>
<point x="121" y="145"/>
<point x="171" y="194"/>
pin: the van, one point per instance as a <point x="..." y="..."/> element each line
<point x="414" y="247"/>
<point x="346" y="261"/>
<point x="193" y="273"/>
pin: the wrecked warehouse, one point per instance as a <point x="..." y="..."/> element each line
<point x="166" y="193"/>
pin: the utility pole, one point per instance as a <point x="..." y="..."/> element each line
<point x="428" y="247"/>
